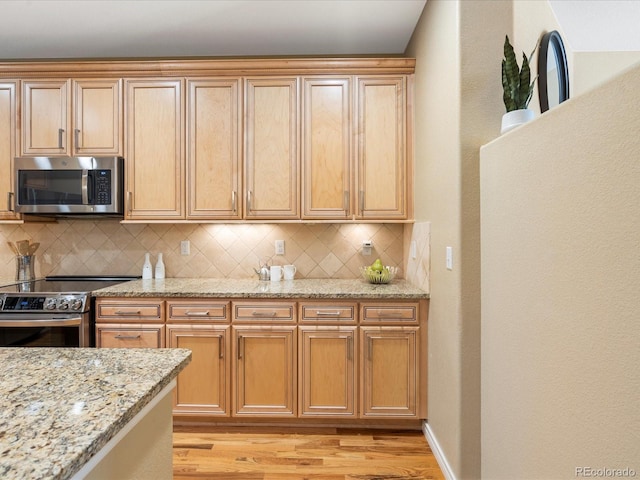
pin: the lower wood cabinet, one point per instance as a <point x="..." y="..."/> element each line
<point x="388" y="380"/>
<point x="203" y="386"/>
<point x="264" y="366"/>
<point x="283" y="359"/>
<point x="327" y="373"/>
<point x="127" y="335"/>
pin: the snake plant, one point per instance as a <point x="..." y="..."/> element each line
<point x="515" y="81"/>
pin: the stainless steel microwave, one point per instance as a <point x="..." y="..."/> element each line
<point x="69" y="185"/>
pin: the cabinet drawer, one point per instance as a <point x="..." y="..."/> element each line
<point x="328" y="312"/>
<point x="110" y="311"/>
<point x="268" y="311"/>
<point x="197" y="311"/>
<point x="130" y="336"/>
<point x="389" y="312"/>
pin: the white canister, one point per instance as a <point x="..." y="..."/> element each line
<point x="289" y="272"/>
<point x="276" y="273"/>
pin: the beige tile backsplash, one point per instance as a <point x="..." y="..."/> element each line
<point x="74" y="247"/>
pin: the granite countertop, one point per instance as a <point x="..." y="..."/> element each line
<point x="253" y="288"/>
<point x="59" y="406"/>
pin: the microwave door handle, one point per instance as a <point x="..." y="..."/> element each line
<point x="84" y="187"/>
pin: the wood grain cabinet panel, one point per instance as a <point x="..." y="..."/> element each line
<point x="389" y="372"/>
<point x="382" y="147"/>
<point x="155" y="170"/>
<point x="46" y="117"/>
<point x="326" y="148"/>
<point x="264" y="366"/>
<point x="214" y="135"/>
<point x="130" y="335"/>
<point x="8" y="105"/>
<point x="129" y="310"/>
<point x="326" y="365"/>
<point x="98" y="117"/>
<point x="203" y="386"/>
<point x="271" y="153"/>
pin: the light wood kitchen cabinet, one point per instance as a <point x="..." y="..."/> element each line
<point x="155" y="169"/>
<point x="123" y="335"/>
<point x="381" y="126"/>
<point x="71" y="117"/>
<point x="203" y="386"/>
<point x="8" y="105"/>
<point x="271" y="153"/>
<point x="110" y="310"/>
<point x="264" y="365"/>
<point x="214" y="136"/>
<point x="326" y="148"/>
<point x="327" y="369"/>
<point x="202" y="326"/>
<point x="390" y="359"/>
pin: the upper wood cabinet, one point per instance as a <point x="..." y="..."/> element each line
<point x="326" y="148"/>
<point x="55" y="124"/>
<point x="214" y="135"/>
<point x="155" y="170"/>
<point x="271" y="154"/>
<point x="381" y="125"/>
<point x="8" y="101"/>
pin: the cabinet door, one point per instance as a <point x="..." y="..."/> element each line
<point x="203" y="386"/>
<point x="130" y="336"/>
<point x="265" y="373"/>
<point x="381" y="148"/>
<point x="271" y="173"/>
<point x="7" y="149"/>
<point x="98" y="118"/>
<point x="326" y="148"/>
<point x="46" y="117"/>
<point x="155" y="166"/>
<point x="214" y="133"/>
<point x="389" y="371"/>
<point x="327" y="371"/>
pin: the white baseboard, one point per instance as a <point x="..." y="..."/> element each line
<point x="437" y="452"/>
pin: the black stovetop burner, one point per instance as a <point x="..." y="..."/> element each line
<point x="67" y="284"/>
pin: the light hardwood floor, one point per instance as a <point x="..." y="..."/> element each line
<point x="263" y="453"/>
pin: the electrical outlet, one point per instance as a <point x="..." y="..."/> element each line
<point x="185" y="247"/>
<point x="279" y="247"/>
<point x="367" y="245"/>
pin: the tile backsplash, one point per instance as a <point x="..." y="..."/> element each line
<point x="74" y="247"/>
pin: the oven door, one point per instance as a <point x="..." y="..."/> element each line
<point x="37" y="330"/>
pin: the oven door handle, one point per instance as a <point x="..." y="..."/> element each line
<point x="44" y="322"/>
<point x="84" y="187"/>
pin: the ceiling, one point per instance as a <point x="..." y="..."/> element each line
<point x="34" y="29"/>
<point x="31" y="29"/>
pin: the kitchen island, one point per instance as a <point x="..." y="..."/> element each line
<point x="74" y="412"/>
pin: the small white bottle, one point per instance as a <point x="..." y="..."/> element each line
<point x="147" y="272"/>
<point x="159" y="268"/>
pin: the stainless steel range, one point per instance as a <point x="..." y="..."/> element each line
<point x="52" y="312"/>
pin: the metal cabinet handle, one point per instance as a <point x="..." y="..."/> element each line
<point x="361" y="200"/>
<point x="123" y="312"/>
<point x="257" y="313"/>
<point x="128" y="337"/>
<point x="10" y="207"/>
<point x="240" y="345"/>
<point x="328" y="313"/>
<point x="60" y="137"/>
<point x="76" y="134"/>
<point x="197" y="314"/>
<point x="248" y="200"/>
<point x="389" y="313"/>
<point x="130" y="201"/>
<point x="369" y="347"/>
<point x="220" y="347"/>
<point x="350" y="348"/>
<point x="234" y="206"/>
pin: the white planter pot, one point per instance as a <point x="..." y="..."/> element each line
<point x="512" y="119"/>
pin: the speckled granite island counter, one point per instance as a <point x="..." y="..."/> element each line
<point x="249" y="288"/>
<point x="63" y="411"/>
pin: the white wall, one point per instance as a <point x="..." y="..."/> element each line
<point x="560" y="283"/>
